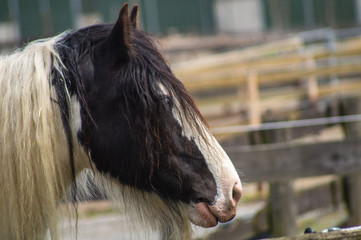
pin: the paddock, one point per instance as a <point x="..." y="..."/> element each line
<point x="286" y="111"/>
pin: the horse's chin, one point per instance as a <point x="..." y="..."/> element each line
<point x="201" y="215"/>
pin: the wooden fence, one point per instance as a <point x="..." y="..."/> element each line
<point x="336" y="235"/>
<point x="241" y="87"/>
<point x="253" y="69"/>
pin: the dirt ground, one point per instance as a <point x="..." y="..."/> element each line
<point x="99" y="220"/>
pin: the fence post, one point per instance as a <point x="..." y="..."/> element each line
<point x="253" y="95"/>
<point x="282" y="209"/>
<point x="312" y="86"/>
<point x="254" y="108"/>
<point x="352" y="181"/>
<point x="282" y="200"/>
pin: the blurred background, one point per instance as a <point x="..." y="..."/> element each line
<point x="279" y="82"/>
<point x="24" y="20"/>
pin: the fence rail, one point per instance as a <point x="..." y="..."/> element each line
<point x="336" y="235"/>
<point x="281" y="162"/>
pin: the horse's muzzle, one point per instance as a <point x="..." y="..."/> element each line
<point x="223" y="210"/>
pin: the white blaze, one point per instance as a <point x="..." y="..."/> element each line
<point x="216" y="158"/>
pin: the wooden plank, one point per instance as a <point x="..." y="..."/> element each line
<point x="340" y="69"/>
<point x="220" y="60"/>
<point x="352" y="181"/>
<point x="267" y="64"/>
<point x="336" y="235"/>
<point x="250" y="58"/>
<point x="284" y="162"/>
<point x="235" y="78"/>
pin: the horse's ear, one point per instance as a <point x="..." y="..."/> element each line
<point x="134" y="16"/>
<point x="116" y="46"/>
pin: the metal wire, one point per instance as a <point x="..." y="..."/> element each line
<point x="286" y="124"/>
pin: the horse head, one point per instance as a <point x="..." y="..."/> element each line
<point x="140" y="127"/>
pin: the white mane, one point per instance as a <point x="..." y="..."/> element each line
<point x="33" y="147"/>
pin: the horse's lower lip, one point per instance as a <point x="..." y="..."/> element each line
<point x="207" y="218"/>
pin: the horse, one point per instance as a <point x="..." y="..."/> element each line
<point x="100" y="104"/>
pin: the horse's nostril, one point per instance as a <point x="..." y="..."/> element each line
<point x="236" y="192"/>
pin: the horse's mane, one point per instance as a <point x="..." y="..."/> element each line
<point x="33" y="144"/>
